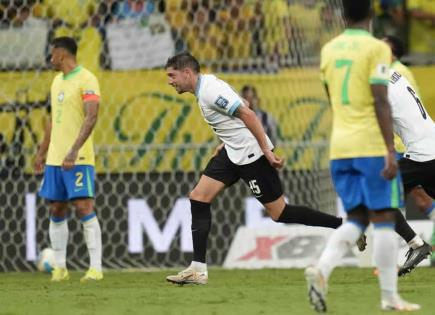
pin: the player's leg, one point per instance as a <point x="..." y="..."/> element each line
<point x="414" y="174"/>
<point x="80" y="186"/>
<point x="265" y="184"/>
<point x="219" y="173"/>
<point x="383" y="198"/>
<point x="58" y="233"/>
<point x="53" y="189"/>
<point x="347" y="184"/>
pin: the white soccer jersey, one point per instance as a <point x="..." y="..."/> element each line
<point x="218" y="101"/>
<point x="411" y="121"/>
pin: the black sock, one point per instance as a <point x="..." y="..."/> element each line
<point x="403" y="228"/>
<point x="308" y="216"/>
<point x="201" y="222"/>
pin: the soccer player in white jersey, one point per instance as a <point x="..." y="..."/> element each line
<point x="247" y="154"/>
<point x="417" y="130"/>
<point x="419" y="197"/>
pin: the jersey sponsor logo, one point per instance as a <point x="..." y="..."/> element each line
<point x="222" y="102"/>
<point x="60" y="96"/>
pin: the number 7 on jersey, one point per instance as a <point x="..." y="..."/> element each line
<point x="340" y="63"/>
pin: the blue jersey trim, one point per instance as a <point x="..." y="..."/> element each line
<point x="88" y="217"/>
<point x="57" y="219"/>
<point x="234" y="107"/>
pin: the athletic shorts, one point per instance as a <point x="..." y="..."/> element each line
<point x="416" y="174"/>
<point x="59" y="184"/>
<point x="261" y="177"/>
<point x="358" y="181"/>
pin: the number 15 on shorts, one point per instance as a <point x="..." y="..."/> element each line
<point x="254" y="187"/>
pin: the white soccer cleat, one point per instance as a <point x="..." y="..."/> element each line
<point x="317" y="289"/>
<point x="399" y="304"/>
<point x="189" y="276"/>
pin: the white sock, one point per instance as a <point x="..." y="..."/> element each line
<point x="385" y="251"/>
<point x="198" y="266"/>
<point x="58" y="233"/>
<point x="341" y="240"/>
<point x="416" y="242"/>
<point x="92" y="231"/>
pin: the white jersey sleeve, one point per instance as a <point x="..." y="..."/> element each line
<point x="218" y="102"/>
<point x="411" y="121"/>
<point x="220" y="96"/>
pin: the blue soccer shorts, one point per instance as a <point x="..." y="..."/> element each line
<point x="358" y="181"/>
<point x="59" y="184"/>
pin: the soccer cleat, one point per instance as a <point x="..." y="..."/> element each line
<point x="92" y="275"/>
<point x="414" y="257"/>
<point x="189" y="276"/>
<point x="59" y="274"/>
<point x="317" y="289"/>
<point x="362" y="242"/>
<point x="398" y="304"/>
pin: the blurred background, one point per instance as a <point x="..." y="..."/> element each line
<point x="151" y="144"/>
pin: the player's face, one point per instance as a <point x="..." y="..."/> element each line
<point x="57" y="56"/>
<point x="179" y="79"/>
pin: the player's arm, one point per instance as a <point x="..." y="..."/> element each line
<point x="385" y="121"/>
<point x="91" y="115"/>
<point x="251" y="121"/>
<point x="43" y="148"/>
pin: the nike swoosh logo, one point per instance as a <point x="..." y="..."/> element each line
<point x="77" y="190"/>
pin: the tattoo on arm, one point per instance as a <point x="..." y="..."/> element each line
<point x="91" y="109"/>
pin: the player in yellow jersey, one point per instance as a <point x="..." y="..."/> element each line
<point x="355" y="70"/>
<point x="69" y="165"/>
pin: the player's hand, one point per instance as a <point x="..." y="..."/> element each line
<point x="217" y="150"/>
<point x="39" y="163"/>
<point x="70" y="159"/>
<point x="390" y="169"/>
<point x="275" y="161"/>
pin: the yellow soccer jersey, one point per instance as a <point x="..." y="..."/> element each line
<point x="350" y="63"/>
<point x="403" y="70"/>
<point x="68" y="94"/>
<point x="421" y="32"/>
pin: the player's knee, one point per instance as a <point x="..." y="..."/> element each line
<point x="423" y="204"/>
<point x="198" y="196"/>
<point x="360" y="215"/>
<point x="58" y="210"/>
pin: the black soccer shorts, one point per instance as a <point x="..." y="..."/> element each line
<point x="261" y="177"/>
<point x="416" y="174"/>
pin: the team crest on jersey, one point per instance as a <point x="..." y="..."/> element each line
<point x="222" y="102"/>
<point x="383" y="69"/>
<point x="60" y="96"/>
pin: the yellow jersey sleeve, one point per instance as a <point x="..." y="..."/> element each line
<point x="90" y="89"/>
<point x="380" y="61"/>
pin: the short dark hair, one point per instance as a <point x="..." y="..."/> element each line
<point x="247" y="88"/>
<point x="67" y="43"/>
<point x="396" y="45"/>
<point x="183" y="60"/>
<point x="356" y="10"/>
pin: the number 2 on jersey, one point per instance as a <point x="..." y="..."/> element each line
<point x="417" y="100"/>
<point x="340" y="63"/>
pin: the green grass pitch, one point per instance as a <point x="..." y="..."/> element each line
<point x="271" y="291"/>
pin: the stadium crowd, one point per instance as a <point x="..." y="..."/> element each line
<point x="233" y="34"/>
